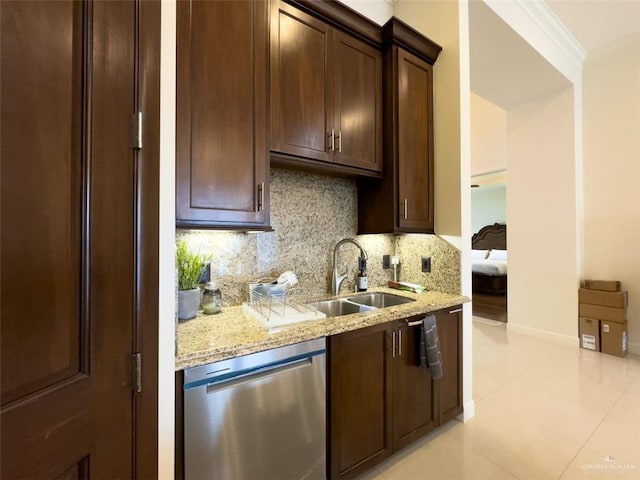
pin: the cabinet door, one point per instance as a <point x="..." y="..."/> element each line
<point x="301" y="110"/>
<point x="359" y="400"/>
<point x="357" y="103"/>
<point x="449" y="386"/>
<point x="415" y="144"/>
<point x="414" y="412"/>
<point x="221" y="177"/>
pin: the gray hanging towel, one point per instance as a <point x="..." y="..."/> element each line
<point x="430" y="347"/>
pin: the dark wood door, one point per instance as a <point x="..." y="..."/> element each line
<point x="414" y="412"/>
<point x="357" y="103"/>
<point x="449" y="386"/>
<point x="301" y="84"/>
<point x="415" y="143"/>
<point x="75" y="200"/>
<point x="359" y="400"/>
<point x="222" y="149"/>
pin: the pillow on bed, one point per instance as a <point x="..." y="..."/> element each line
<point x="479" y="254"/>
<point x="497" y="255"/>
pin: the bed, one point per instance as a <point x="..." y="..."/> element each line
<point x="489" y="264"/>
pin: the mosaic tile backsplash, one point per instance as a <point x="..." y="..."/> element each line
<point x="309" y="214"/>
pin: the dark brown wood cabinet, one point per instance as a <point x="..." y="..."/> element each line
<point x="222" y="107"/>
<point x="380" y="398"/>
<point x="403" y="202"/>
<point x="414" y="408"/>
<point x="449" y="386"/>
<point x="359" y="400"/>
<point x="326" y="100"/>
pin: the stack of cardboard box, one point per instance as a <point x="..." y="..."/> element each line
<point x="603" y="317"/>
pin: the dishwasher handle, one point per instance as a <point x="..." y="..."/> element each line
<point x="252" y="373"/>
<point x="218" y="385"/>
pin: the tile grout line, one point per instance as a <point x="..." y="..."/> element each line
<point x="594" y="431"/>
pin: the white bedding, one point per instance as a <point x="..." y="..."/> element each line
<point x="489" y="267"/>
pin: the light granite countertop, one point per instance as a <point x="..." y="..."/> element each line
<point x="232" y="333"/>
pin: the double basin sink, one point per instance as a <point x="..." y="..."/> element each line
<point x="359" y="303"/>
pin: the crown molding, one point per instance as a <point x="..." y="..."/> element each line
<point x="540" y="12"/>
<point x="391" y="2"/>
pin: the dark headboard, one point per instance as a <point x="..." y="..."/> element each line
<point x="491" y="236"/>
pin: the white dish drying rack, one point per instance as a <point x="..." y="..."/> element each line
<point x="273" y="306"/>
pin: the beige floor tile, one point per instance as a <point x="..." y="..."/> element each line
<point x="525" y="450"/>
<point x="627" y="408"/>
<point x="564" y="381"/>
<point x="444" y="458"/>
<point x="635" y="385"/>
<point x="568" y="418"/>
<point x="590" y="464"/>
<point x="617" y="438"/>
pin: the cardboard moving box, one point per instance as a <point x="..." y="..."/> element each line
<point x="600" y="312"/>
<point x="589" y="329"/>
<point x="605" y="285"/>
<point x="613" y="338"/>
<point x="599" y="297"/>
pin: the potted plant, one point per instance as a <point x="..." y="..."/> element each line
<point x="190" y="268"/>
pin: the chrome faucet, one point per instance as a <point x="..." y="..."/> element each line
<point x="336" y="278"/>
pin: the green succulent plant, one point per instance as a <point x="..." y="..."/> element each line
<point x="190" y="266"/>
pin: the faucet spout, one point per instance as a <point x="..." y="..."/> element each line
<point x="336" y="278"/>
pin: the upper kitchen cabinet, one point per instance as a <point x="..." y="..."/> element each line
<point x="222" y="107"/>
<point x="403" y="201"/>
<point x="326" y="95"/>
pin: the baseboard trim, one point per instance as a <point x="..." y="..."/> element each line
<point x="634" y="348"/>
<point x="468" y="412"/>
<point x="544" y="334"/>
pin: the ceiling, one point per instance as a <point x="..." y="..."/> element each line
<point x="507" y="71"/>
<point x="596" y="24"/>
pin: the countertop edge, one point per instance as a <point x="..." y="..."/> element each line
<point x="279" y="337"/>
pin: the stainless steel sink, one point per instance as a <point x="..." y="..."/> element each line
<point x="380" y="300"/>
<point x="357" y="303"/>
<point x="336" y="308"/>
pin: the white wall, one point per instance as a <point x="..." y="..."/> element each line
<point x="488" y="136"/>
<point x="488" y="206"/>
<point x="543" y="277"/>
<point x="612" y="174"/>
<point x="167" y="222"/>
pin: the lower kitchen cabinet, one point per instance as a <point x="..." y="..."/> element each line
<point x="414" y="409"/>
<point x="380" y="399"/>
<point x="449" y="386"/>
<point x="359" y="400"/>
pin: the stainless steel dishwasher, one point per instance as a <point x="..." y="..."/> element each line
<point x="260" y="416"/>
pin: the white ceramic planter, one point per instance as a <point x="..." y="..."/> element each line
<point x="188" y="303"/>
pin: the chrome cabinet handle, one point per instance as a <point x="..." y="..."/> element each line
<point x="406" y="208"/>
<point x="393" y="344"/>
<point x="415" y="323"/>
<point x="260" y="196"/>
<point x="332" y="144"/>
<point x="340" y="141"/>
<point x="399" y="343"/>
<point x="455" y="311"/>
